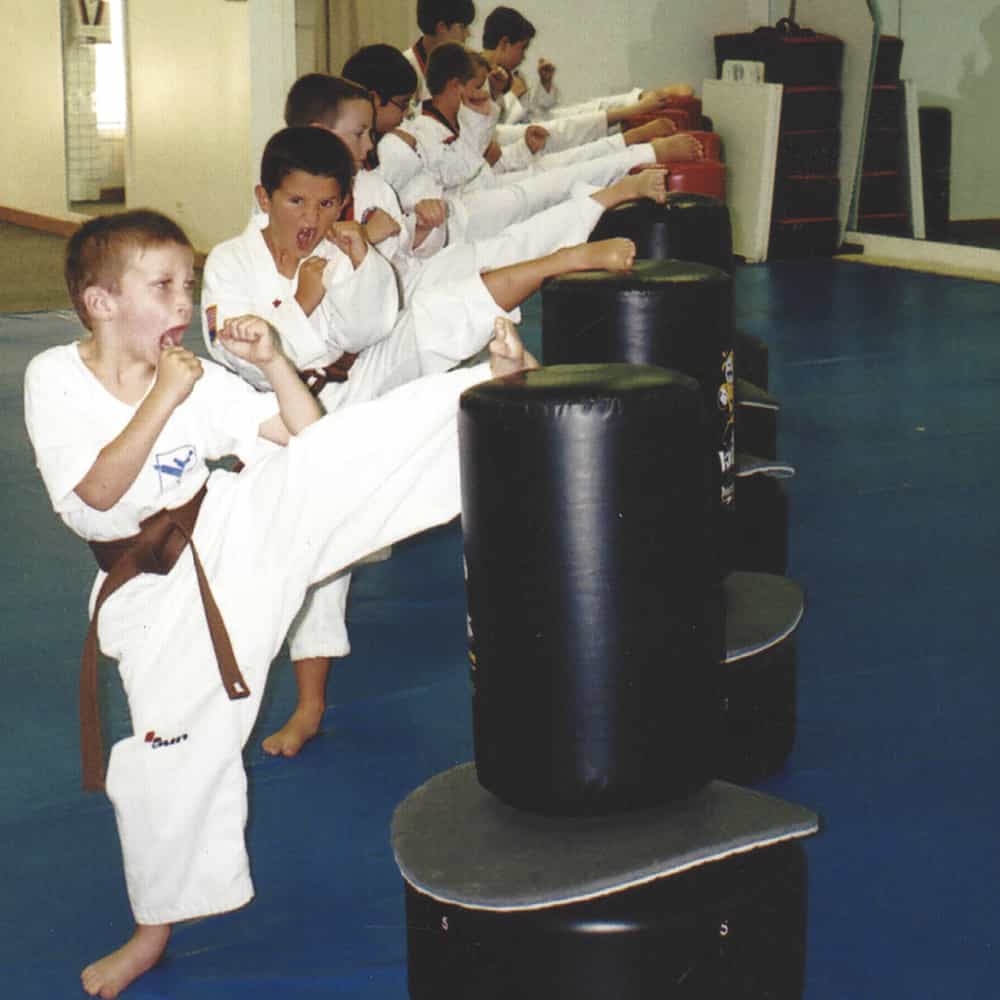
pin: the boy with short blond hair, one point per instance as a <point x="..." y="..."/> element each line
<point x="207" y="569"/>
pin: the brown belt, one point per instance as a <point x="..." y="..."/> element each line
<point x="155" y="549"/>
<point x="316" y="378"/>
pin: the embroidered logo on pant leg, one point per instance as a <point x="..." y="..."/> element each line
<point x="159" y="741"/>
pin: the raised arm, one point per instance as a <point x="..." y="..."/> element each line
<point x="239" y="282"/>
<point x="257" y="342"/>
<point x="120" y="461"/>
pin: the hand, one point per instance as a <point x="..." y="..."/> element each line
<point x="535" y="136"/>
<point x="252" y="339"/>
<point x="350" y="237"/>
<point x="405" y="136"/>
<point x="310" y="290"/>
<point x="499" y="81"/>
<point x="176" y="373"/>
<point x="546" y="71"/>
<point x="379" y="225"/>
<point x="431" y="212"/>
<point x="493" y="152"/>
<point x="517" y="85"/>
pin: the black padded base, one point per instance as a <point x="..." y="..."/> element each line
<point x="759" y="713"/>
<point x="752" y="361"/>
<point x="734" y="929"/>
<point x="759" y="680"/>
<point x="756" y="419"/>
<point x="759" y="526"/>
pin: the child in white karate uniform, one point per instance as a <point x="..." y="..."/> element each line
<point x="439" y="21"/>
<point x="122" y="424"/>
<point x="417" y="253"/>
<point x="278" y="272"/>
<point x="507" y="34"/>
<point x="453" y="132"/>
<point x="476" y="215"/>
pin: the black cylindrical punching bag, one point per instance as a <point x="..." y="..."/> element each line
<point x="674" y="314"/>
<point x="687" y="226"/>
<point x="595" y="629"/>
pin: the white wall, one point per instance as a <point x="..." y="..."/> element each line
<point x="208" y="78"/>
<point x="33" y="162"/>
<point x="601" y="49"/>
<point x="207" y="82"/>
<point x="206" y="86"/>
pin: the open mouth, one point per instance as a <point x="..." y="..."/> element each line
<point x="305" y="239"/>
<point x="172" y="337"/>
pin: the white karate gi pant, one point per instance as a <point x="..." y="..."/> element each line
<point x="562" y="225"/>
<point x="594" y="104"/>
<point x="445" y="323"/>
<point x="608" y="146"/>
<point x="484" y="213"/>
<point x="564" y="133"/>
<point x="357" y="480"/>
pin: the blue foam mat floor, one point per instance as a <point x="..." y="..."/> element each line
<point x="888" y="382"/>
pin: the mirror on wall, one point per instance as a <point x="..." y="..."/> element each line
<point x="949" y="65"/>
<point x="96" y="104"/>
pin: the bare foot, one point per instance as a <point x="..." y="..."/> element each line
<point x="108" y="976"/>
<point x="645" y="183"/>
<point x="650" y="184"/>
<point x="656" y="129"/>
<point x="507" y="353"/>
<point x="297" y="731"/>
<point x="676" y="148"/>
<point x="616" y="254"/>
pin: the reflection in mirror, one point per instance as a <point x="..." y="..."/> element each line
<point x="951" y="66"/>
<point x="96" y="116"/>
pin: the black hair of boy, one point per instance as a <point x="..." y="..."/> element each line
<point x="450" y="61"/>
<point x="100" y="251"/>
<point x="505" y="22"/>
<point x="383" y="70"/>
<point x="316" y="98"/>
<point x="312" y="150"/>
<point x="431" y="13"/>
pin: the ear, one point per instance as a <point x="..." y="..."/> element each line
<point x="99" y="303"/>
<point x="263" y="200"/>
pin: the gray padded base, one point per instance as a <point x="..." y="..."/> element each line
<point x="754" y="465"/>
<point x="748" y="394"/>
<point x="459" y="844"/>
<point x="761" y="610"/>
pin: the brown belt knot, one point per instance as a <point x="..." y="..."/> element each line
<point x="317" y="378"/>
<point x="155" y="549"/>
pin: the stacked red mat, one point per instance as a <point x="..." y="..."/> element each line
<point x="704" y="176"/>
